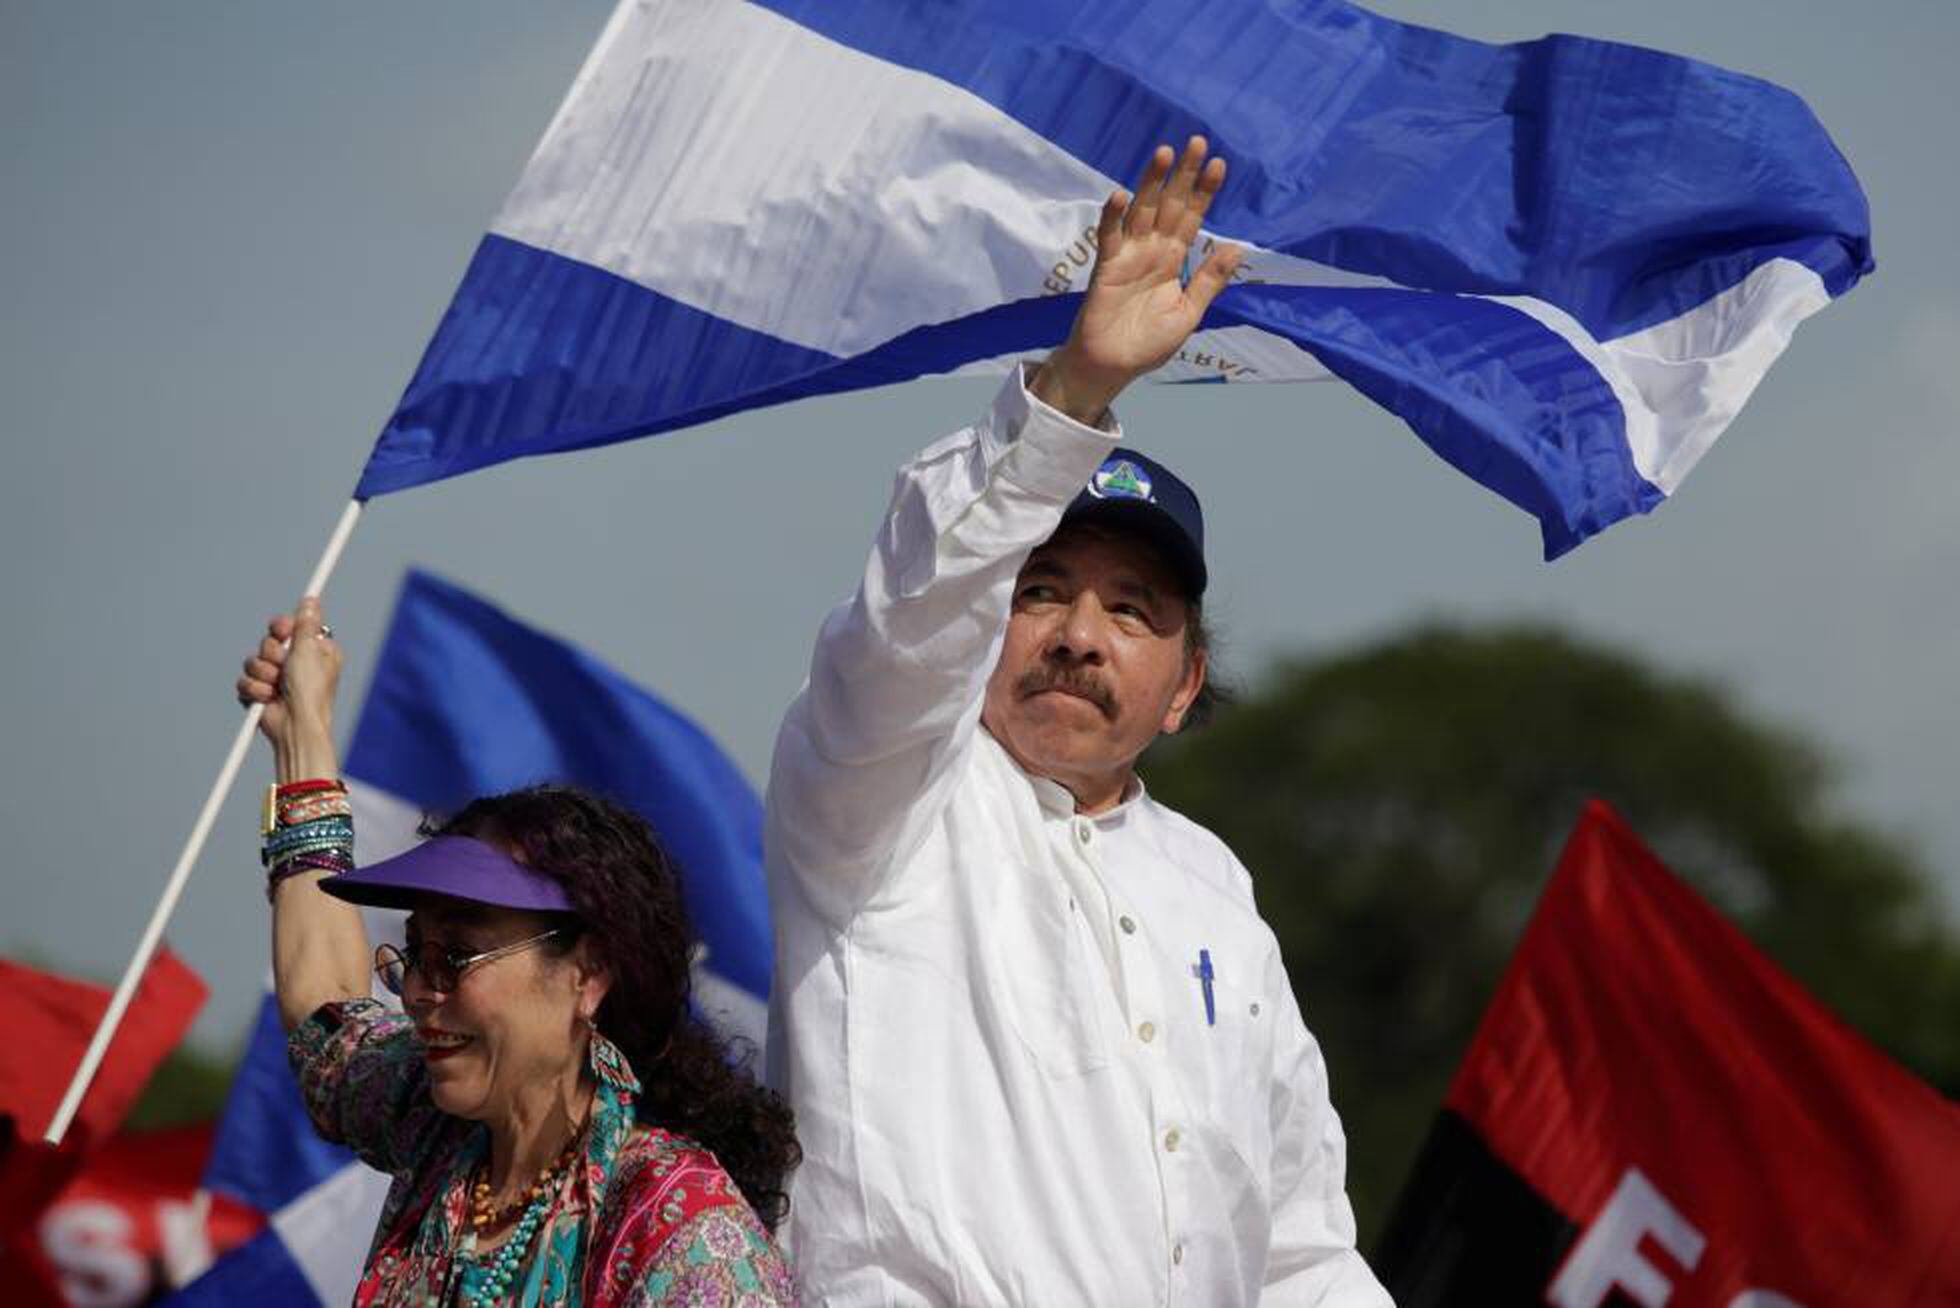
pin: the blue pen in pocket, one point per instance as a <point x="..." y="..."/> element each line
<point x="1204" y="979"/>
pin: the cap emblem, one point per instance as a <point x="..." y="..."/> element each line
<point x="1119" y="479"/>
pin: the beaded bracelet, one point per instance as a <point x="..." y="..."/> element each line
<point x="323" y="845"/>
<point x="332" y="862"/>
<point x="307" y="826"/>
<point x="282" y="797"/>
<point x="311" y="808"/>
<point x="309" y="787"/>
<point x="337" y="824"/>
<point x="286" y="856"/>
<point x="326" y="832"/>
<point x="296" y="799"/>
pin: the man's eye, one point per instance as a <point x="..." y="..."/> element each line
<point x="1037" y="594"/>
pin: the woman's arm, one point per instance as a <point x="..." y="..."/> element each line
<point x="319" y="947"/>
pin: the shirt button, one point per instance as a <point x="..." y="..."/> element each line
<point x="1171" y="1138"/>
<point x="1147" y="1032"/>
<point x="1084" y="832"/>
<point x="1177" y="1252"/>
<point x="1255" y="1008"/>
<point x="1128" y="924"/>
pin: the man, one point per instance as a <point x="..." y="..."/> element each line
<point x="1040" y="1045"/>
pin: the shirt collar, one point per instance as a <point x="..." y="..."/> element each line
<point x="1058" y="801"/>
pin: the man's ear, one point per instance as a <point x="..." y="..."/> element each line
<point x="1195" y="666"/>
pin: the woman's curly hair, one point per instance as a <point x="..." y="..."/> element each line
<point x="627" y="894"/>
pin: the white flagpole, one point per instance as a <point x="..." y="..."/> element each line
<point x="153" y="933"/>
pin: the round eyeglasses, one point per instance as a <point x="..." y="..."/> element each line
<point x="441" y="967"/>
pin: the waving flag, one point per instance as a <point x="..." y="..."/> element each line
<point x="1652" y="1112"/>
<point x="1565" y="263"/>
<point x="466" y="701"/>
<point x="128" y="1228"/>
<point x="46" y="1027"/>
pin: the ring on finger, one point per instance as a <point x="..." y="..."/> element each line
<point x="326" y="632"/>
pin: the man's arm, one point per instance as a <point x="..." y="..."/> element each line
<point x="1312" y="1258"/>
<point x="899" y="672"/>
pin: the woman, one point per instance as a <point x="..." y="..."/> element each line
<point x="561" y="1129"/>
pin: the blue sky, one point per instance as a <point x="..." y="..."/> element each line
<point x="229" y="228"/>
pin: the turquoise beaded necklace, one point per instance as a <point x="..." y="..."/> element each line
<point x="485" y="1283"/>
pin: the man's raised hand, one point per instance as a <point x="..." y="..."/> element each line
<point x="1138" y="309"/>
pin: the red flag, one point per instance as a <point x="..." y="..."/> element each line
<point x="32" y="1173"/>
<point x="1653" y="1112"/>
<point x="132" y="1225"/>
<point x="46" y="1028"/>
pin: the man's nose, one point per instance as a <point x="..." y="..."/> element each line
<point x="1083" y="633"/>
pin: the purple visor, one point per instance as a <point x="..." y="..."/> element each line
<point x="456" y="866"/>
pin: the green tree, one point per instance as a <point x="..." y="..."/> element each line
<point x="188" y="1086"/>
<point x="1402" y="805"/>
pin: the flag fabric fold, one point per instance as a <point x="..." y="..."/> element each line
<point x="266" y="1153"/>
<point x="1651" y="1111"/>
<point x="1565" y="263"/>
<point x="467" y="701"/>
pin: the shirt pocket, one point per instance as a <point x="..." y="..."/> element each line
<point x="1047" y="977"/>
<point x="1238" y="1085"/>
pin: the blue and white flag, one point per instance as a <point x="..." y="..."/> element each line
<point x="465" y="701"/>
<point x="1565" y="263"/>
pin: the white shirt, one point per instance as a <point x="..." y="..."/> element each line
<point x="988" y="1012"/>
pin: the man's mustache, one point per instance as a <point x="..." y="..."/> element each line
<point x="1068" y="680"/>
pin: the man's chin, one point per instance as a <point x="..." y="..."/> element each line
<point x="1054" y="735"/>
<point x="1056" y="749"/>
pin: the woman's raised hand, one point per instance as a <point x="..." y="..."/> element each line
<point x="294" y="673"/>
<point x="319" y="948"/>
<point x="1139" y="309"/>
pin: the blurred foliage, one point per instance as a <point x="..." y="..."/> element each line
<point x="1401" y="806"/>
<point x="188" y="1086"/>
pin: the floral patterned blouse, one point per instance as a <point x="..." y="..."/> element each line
<point x="648" y="1217"/>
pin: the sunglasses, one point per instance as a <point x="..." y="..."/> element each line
<point x="442" y="968"/>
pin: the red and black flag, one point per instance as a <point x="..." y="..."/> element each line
<point x="1653" y="1113"/>
<point x="44" y="1028"/>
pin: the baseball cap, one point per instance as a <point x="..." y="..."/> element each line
<point x="1136" y="493"/>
